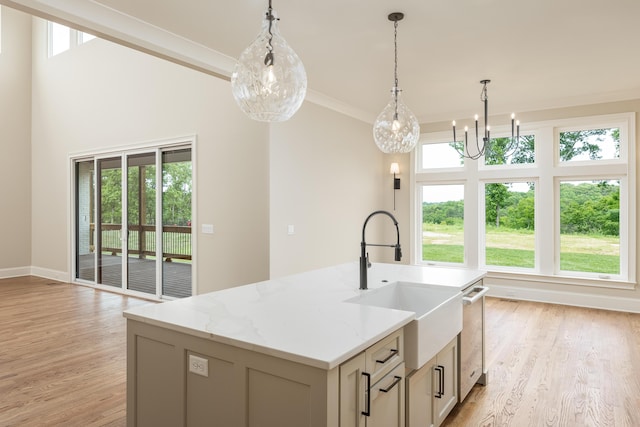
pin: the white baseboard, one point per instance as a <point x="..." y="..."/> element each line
<point x="61" y="276"/>
<point x="579" y="299"/>
<point x="46" y="273"/>
<point x="6" y="273"/>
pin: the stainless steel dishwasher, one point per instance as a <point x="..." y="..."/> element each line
<point x="472" y="359"/>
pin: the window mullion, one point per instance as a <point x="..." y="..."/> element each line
<point x="546" y="210"/>
<point x="472" y="229"/>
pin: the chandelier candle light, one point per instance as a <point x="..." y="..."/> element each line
<point x="269" y="82"/>
<point x="481" y="149"/>
<point x="396" y="130"/>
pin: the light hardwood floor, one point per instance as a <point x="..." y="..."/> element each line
<point x="62" y="354"/>
<point x="62" y="361"/>
<point x="553" y="365"/>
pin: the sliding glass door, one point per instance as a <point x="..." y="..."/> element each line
<point x="85" y="185"/>
<point x="129" y="235"/>
<point x="141" y="220"/>
<point x="109" y="232"/>
<point x="176" y="222"/>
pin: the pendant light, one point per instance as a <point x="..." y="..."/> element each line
<point x="269" y="82"/>
<point x="396" y="130"/>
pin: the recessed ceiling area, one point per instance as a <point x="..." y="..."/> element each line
<point x="538" y="54"/>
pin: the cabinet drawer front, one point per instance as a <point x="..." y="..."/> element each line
<point x="384" y="355"/>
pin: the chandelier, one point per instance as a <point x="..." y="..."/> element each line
<point x="482" y="144"/>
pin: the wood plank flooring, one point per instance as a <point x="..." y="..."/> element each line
<point x="62" y="361"/>
<point x="553" y="365"/>
<point x="62" y="354"/>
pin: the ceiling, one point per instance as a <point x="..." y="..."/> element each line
<point x="538" y="54"/>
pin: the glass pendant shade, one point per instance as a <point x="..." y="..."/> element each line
<point x="269" y="82"/>
<point x="396" y="130"/>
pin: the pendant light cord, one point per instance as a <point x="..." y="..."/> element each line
<point x="395" y="69"/>
<point x="395" y="49"/>
<point x="268" y="58"/>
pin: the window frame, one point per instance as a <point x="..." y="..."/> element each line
<point x="623" y="230"/>
<point x="464" y="239"/>
<point x="546" y="172"/>
<point x="501" y="132"/>
<point x="75" y="39"/>
<point x="482" y="231"/>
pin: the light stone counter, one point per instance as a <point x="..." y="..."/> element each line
<point x="301" y="318"/>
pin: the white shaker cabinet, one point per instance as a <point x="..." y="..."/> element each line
<point x="352" y="392"/>
<point x="372" y="386"/>
<point x="445" y="382"/>
<point x="432" y="390"/>
<point x="243" y="387"/>
<point x="420" y="396"/>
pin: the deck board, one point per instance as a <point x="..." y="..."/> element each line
<point x="177" y="276"/>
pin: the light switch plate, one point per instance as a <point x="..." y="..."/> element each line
<point x="291" y="230"/>
<point x="207" y="228"/>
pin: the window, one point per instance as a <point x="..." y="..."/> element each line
<point x="503" y="151"/>
<point x="561" y="205"/>
<point x="84" y="37"/>
<point x="440" y="155"/>
<point x="62" y="38"/>
<point x="589" y="144"/>
<point x="59" y="38"/>
<point x="443" y="223"/>
<point x="590" y="226"/>
<point x="509" y="224"/>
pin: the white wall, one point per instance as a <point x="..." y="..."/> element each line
<point x="15" y="147"/>
<point x="101" y="96"/>
<point x="326" y="177"/>
<point x="320" y="171"/>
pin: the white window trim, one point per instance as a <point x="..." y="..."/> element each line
<point x="546" y="172"/>
<point x="482" y="221"/>
<point x="75" y="39"/>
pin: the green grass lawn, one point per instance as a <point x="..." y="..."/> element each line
<point x="515" y="248"/>
<point x="607" y="264"/>
<point x="510" y="257"/>
<point x="443" y="253"/>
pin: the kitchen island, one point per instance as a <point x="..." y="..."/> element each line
<point x="268" y="353"/>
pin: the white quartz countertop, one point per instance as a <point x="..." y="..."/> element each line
<point x="301" y="318"/>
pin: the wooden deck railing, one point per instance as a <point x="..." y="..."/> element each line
<point x="176" y="240"/>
